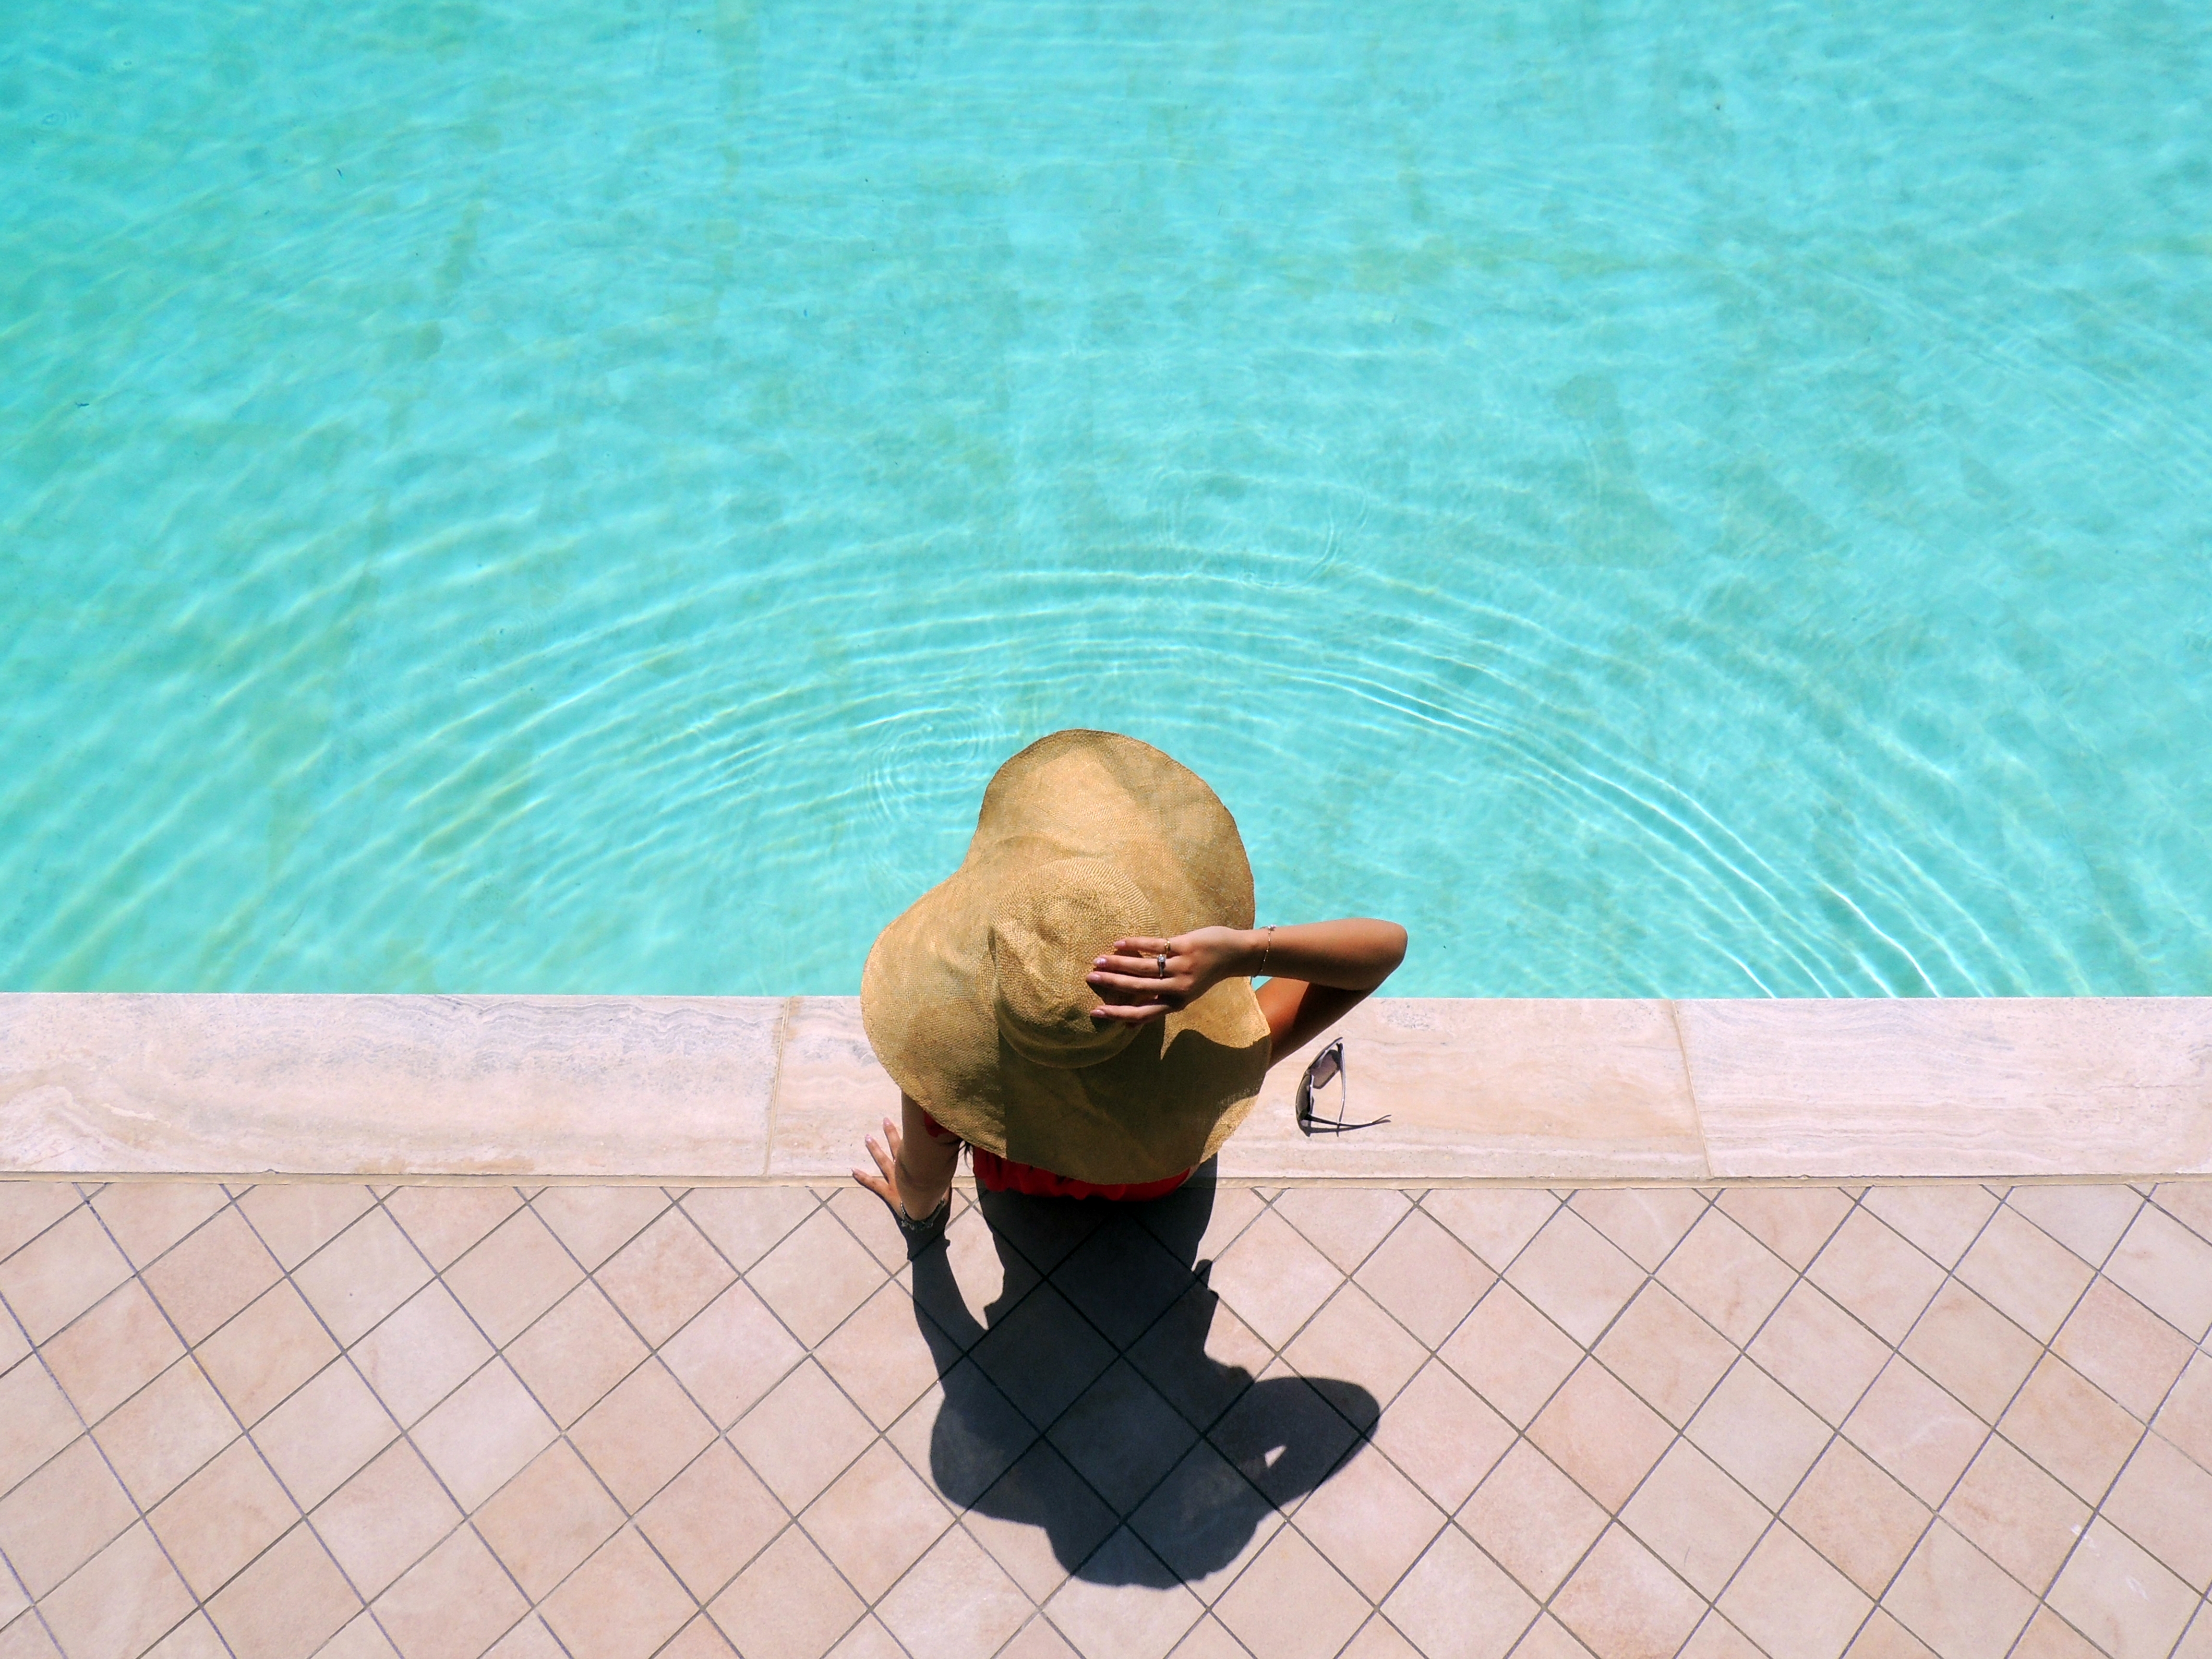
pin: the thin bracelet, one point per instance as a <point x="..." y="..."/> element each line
<point x="1268" y="949"/>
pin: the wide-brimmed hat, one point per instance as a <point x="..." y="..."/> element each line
<point x="975" y="999"/>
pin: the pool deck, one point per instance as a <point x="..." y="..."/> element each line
<point x="733" y="1090"/>
<point x="373" y="1421"/>
<point x="509" y="1328"/>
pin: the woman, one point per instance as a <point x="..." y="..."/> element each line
<point x="1075" y="1004"/>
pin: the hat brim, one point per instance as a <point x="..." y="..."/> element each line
<point x="1170" y="1097"/>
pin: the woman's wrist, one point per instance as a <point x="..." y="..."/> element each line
<point x="1252" y="950"/>
<point x="930" y="1196"/>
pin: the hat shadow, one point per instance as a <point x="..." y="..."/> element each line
<point x="1084" y="1402"/>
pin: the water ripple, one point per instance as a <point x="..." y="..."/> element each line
<point x="553" y="501"/>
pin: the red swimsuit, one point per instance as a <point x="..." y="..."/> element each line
<point x="1002" y="1175"/>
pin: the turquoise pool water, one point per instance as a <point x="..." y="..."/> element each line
<point x="1681" y="498"/>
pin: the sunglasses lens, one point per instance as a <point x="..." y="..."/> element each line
<point x="1326" y="1068"/>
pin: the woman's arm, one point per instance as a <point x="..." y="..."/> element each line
<point x="1318" y="971"/>
<point x="913" y="1168"/>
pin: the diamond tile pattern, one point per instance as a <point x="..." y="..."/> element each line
<point x="1804" y="1422"/>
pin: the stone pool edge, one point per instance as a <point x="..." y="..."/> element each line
<point x="701" y="1089"/>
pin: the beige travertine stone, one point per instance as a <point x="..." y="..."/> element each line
<point x="1561" y="1090"/>
<point x="1990" y="1086"/>
<point x="1474" y="1089"/>
<point x="830" y="1094"/>
<point x="785" y="1089"/>
<point x="386" y="1084"/>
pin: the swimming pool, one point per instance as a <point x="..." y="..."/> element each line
<point x="1663" y="499"/>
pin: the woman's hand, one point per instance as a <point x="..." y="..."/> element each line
<point x="1146" y="978"/>
<point x="1134" y="987"/>
<point x="914" y="1168"/>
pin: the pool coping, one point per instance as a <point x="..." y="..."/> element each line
<point x="780" y="1090"/>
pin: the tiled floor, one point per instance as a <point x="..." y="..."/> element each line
<point x="615" y="1422"/>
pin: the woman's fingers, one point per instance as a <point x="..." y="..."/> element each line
<point x="1129" y="1013"/>
<point x="877" y="1185"/>
<point x="1130" y="986"/>
<point x="1147" y="967"/>
<point x="1145" y="984"/>
<point x="883" y="1185"/>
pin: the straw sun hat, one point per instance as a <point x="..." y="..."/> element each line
<point x="975" y="999"/>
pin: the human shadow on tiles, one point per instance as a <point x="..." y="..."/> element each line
<point x="1084" y="1398"/>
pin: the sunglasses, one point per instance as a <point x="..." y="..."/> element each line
<point x="1328" y="1069"/>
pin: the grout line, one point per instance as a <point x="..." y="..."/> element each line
<point x="404" y="1437"/>
<point x="722" y="1436"/>
<point x="355" y="1221"/>
<point x="1797" y="1277"/>
<point x="783" y="1018"/>
<point x="199" y="1603"/>
<point x="2192" y="1229"/>
<point x="1360" y="1438"/>
<point x="1407" y="1181"/>
<point x="1677" y="1435"/>
<point x="1991" y="1430"/>
<point x="1690" y="1084"/>
<point x="468" y="1520"/>
<point x="1363" y="1438"/>
<point x="2097" y="1507"/>
<point x="32" y="1610"/>
<point x="32" y="1603"/>
<point x="1201" y="1435"/>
